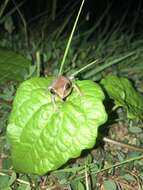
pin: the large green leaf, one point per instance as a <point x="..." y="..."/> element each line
<point x="123" y="93"/>
<point x="13" y="66"/>
<point x="43" y="138"/>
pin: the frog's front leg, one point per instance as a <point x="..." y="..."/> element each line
<point x="53" y="98"/>
<point x="53" y="101"/>
<point x="77" y="88"/>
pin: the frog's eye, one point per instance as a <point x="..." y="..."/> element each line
<point x="52" y="91"/>
<point x="67" y="86"/>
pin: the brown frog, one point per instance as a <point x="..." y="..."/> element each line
<point x="61" y="87"/>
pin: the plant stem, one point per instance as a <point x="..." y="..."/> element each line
<point x="54" y="7"/>
<point x="120" y="163"/>
<point x="2" y="8"/>
<point x="38" y="63"/>
<point x="24" y="23"/>
<point x="70" y="39"/>
<point x="113" y="62"/>
<point x="82" y="175"/>
<point x="83" y="68"/>
<point x="129" y="146"/>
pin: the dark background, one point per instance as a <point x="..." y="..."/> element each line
<point x="127" y="12"/>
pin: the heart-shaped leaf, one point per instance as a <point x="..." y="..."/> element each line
<point x="43" y="137"/>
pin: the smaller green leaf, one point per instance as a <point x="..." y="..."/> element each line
<point x="128" y="177"/>
<point x="121" y="156"/>
<point x="7" y="188"/>
<point x="141" y="138"/>
<point x="12" y="178"/>
<point x="136" y="130"/>
<point x="77" y="185"/>
<point x="80" y="186"/>
<point x="13" y="66"/>
<point x="123" y="93"/>
<point x="139" y="164"/>
<point x="93" y="181"/>
<point x="88" y="159"/>
<point x="6" y="164"/>
<point x="4" y="181"/>
<point x="24" y="187"/>
<point x="141" y="175"/>
<point x="61" y="176"/>
<point x="7" y="94"/>
<point x="8" y="25"/>
<point x="109" y="185"/>
<point x="95" y="168"/>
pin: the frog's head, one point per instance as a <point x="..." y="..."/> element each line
<point x="61" y="87"/>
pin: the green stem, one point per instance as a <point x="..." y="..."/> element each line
<point x="2" y="8"/>
<point x="120" y="164"/>
<point x="106" y="65"/>
<point x="38" y="63"/>
<point x="91" y="166"/>
<point x="70" y="39"/>
<point x="83" y="68"/>
<point x="54" y="7"/>
<point x="24" y="23"/>
<point x="82" y="173"/>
